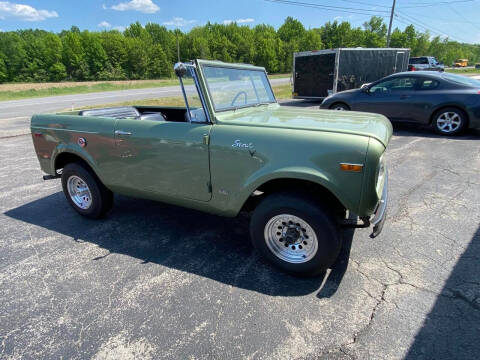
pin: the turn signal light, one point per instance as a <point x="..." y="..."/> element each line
<point x="351" y="167"/>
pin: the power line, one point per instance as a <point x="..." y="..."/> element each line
<point x="464" y="18"/>
<point x="365" y="3"/>
<point x="427" y="27"/>
<point x="420" y="5"/>
<point x="331" y="8"/>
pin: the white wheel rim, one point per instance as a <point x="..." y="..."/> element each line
<point x="291" y="238"/>
<point x="449" y="122"/>
<point x="79" y="192"/>
<point x="339" y="108"/>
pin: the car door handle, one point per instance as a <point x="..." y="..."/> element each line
<point x="121" y="132"/>
<point x="404" y="96"/>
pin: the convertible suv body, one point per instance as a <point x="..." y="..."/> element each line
<point x="231" y="148"/>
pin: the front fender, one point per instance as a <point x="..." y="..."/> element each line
<point x="301" y="173"/>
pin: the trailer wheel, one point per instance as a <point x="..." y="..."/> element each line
<point x="339" y="107"/>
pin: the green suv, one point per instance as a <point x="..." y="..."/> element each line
<point x="301" y="174"/>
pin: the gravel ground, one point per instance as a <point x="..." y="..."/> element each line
<point x="154" y="281"/>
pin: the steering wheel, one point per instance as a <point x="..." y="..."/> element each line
<point x="236" y="97"/>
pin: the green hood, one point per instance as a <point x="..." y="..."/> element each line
<point x="350" y="122"/>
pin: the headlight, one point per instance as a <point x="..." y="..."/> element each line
<point x="382" y="167"/>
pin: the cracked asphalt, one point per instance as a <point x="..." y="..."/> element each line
<point x="154" y="281"/>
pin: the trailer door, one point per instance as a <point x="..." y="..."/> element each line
<point x="313" y="75"/>
<point x="401" y="61"/>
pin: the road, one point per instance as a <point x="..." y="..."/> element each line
<point x="155" y="281"/>
<point x="15" y="114"/>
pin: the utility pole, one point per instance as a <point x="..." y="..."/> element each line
<point x="178" y="48"/>
<point x="390" y="25"/>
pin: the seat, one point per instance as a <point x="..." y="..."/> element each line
<point x="124" y="112"/>
<point x="155" y="116"/>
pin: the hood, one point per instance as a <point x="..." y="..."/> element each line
<point x="289" y="117"/>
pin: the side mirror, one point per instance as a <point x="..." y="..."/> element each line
<point x="365" y="88"/>
<point x="180" y="69"/>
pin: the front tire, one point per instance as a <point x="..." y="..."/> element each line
<point x="340" y="107"/>
<point x="449" y="121"/>
<point x="295" y="233"/>
<point x="85" y="192"/>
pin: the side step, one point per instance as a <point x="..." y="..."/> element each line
<point x="353" y="223"/>
<point x="51" y="177"/>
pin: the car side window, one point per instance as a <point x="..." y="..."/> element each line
<point x="428" y="84"/>
<point x="393" y="85"/>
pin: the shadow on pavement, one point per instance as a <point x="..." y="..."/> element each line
<point x="187" y="240"/>
<point x="411" y="129"/>
<point x="452" y="328"/>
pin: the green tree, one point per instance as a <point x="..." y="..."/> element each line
<point x="3" y="69"/>
<point x="159" y="66"/>
<point x="73" y="56"/>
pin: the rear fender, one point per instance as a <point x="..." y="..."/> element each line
<point x="75" y="150"/>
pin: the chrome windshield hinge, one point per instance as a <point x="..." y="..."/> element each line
<point x="206" y="139"/>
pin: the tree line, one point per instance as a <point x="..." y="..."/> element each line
<point x="148" y="52"/>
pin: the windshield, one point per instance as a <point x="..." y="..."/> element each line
<point x="231" y="88"/>
<point x="463" y="80"/>
<point x="420" y="60"/>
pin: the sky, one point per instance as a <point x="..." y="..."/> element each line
<point x="457" y="19"/>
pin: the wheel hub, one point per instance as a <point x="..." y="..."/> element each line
<point x="291" y="238"/>
<point x="291" y="234"/>
<point x="79" y="192"/>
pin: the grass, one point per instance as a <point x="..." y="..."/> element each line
<point x="76" y="88"/>
<point x="463" y="71"/>
<point x="32" y="90"/>
<point x="281" y="92"/>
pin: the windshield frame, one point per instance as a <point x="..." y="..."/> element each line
<point x="235" y="67"/>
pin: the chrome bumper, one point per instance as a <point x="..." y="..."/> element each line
<point x="381" y="211"/>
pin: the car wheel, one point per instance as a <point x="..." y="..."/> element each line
<point x="339" y="107"/>
<point x="295" y="233"/>
<point x="449" y="121"/>
<point x="84" y="191"/>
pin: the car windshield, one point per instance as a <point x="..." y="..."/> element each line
<point x="232" y="88"/>
<point x="420" y="60"/>
<point x="463" y="80"/>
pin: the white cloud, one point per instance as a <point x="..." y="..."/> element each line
<point x="179" y="22"/>
<point x="24" y="12"/>
<point x="119" y="28"/>
<point x="144" y="6"/>
<point x="238" y="21"/>
<point x="337" y="18"/>
<point x="105" y="24"/>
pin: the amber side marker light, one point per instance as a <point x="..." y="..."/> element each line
<point x="351" y="167"/>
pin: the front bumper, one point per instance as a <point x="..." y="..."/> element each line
<point x="380" y="214"/>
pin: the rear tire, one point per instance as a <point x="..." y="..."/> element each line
<point x="295" y="233"/>
<point x="85" y="192"/>
<point x="449" y="121"/>
<point x="340" y="107"/>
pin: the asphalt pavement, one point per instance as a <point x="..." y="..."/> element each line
<point x="154" y="281"/>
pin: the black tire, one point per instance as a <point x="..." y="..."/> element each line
<point x="456" y="113"/>
<point x="339" y="107"/>
<point x="101" y="199"/>
<point x="320" y="220"/>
